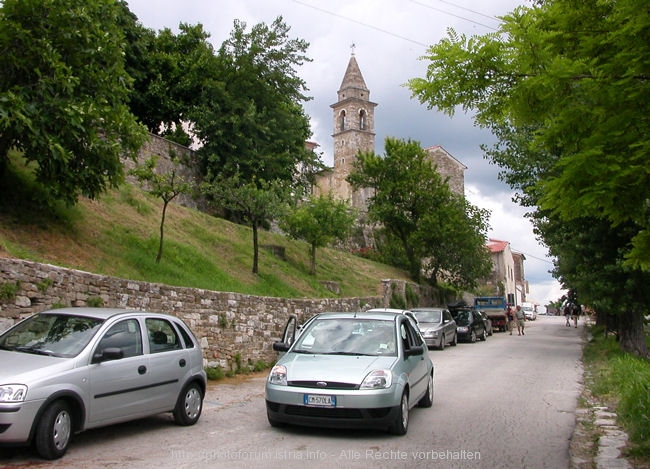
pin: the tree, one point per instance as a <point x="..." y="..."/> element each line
<point x="257" y="201"/>
<point x="318" y="221"/>
<point x="416" y="206"/>
<point x="63" y="93"/>
<point x="251" y="122"/>
<point x="165" y="184"/>
<point x="564" y="87"/>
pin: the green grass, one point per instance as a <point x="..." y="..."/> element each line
<point x="118" y="235"/>
<point x="623" y="382"/>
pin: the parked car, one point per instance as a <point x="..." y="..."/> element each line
<point x="357" y="370"/>
<point x="437" y="327"/>
<point x="72" y="369"/>
<point x="529" y="311"/>
<point x="487" y="321"/>
<point x="470" y="326"/>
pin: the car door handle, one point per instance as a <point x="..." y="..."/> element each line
<point x="142" y="369"/>
<point x="182" y="362"/>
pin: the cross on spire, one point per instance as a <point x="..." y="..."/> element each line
<point x="352" y="46"/>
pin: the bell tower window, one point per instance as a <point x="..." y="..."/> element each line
<point x="362" y="119"/>
<point x="342" y="122"/>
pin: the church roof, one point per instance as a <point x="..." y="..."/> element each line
<point x="353" y="77"/>
<point x="496" y="245"/>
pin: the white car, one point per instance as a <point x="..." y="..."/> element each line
<point x="71" y="369"/>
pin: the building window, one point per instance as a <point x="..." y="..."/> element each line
<point x="342" y="120"/>
<point x="362" y="119"/>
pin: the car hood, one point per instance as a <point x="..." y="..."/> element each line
<point x="430" y="325"/>
<point x="339" y="368"/>
<point x="20" y="367"/>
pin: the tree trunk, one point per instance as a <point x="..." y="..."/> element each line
<point x="162" y="224"/>
<point x="312" y="259"/>
<point x="631" y="334"/>
<point x="255" y="247"/>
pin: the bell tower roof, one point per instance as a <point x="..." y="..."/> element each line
<point x="353" y="84"/>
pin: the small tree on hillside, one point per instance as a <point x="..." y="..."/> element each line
<point x="257" y="202"/>
<point x="319" y="221"/>
<point x="165" y="185"/>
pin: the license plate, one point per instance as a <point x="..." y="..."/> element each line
<point x="320" y="400"/>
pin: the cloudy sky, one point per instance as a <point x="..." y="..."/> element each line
<point x="389" y="37"/>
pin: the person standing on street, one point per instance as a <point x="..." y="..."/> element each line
<point x="567" y="313"/>
<point x="510" y="317"/>
<point x="521" y="319"/>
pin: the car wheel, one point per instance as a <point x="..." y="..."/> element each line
<point x="442" y="343"/>
<point x="427" y="399"/>
<point x="472" y="337"/>
<point x="454" y="342"/>
<point x="401" y="424"/>
<point x="189" y="405"/>
<point x="54" y="431"/>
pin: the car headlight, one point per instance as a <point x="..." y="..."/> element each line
<point x="377" y="379"/>
<point x="431" y="333"/>
<point x="13" y="392"/>
<point x="278" y="375"/>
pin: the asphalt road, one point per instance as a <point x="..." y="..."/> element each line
<point x="508" y="402"/>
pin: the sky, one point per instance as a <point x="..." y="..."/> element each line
<point x="388" y="39"/>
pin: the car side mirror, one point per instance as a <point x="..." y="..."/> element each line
<point x="417" y="350"/>
<point x="280" y="346"/>
<point x="110" y="353"/>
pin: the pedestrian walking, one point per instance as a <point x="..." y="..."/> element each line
<point x="575" y="313"/>
<point x="567" y="314"/>
<point x="521" y="320"/>
<point x="510" y="317"/>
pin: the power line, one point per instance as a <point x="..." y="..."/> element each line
<point x="361" y="23"/>
<point x="456" y="16"/>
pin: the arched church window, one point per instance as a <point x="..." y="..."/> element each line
<point x="342" y="120"/>
<point x="362" y="119"/>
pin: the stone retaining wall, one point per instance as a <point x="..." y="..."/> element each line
<point x="231" y="327"/>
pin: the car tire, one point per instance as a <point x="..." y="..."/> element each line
<point x="455" y="341"/>
<point x="54" y="431"/>
<point x="427" y="399"/>
<point x="442" y="343"/>
<point x="401" y="423"/>
<point x="189" y="405"/>
<point x="472" y="337"/>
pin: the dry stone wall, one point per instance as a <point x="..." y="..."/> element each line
<point x="231" y="327"/>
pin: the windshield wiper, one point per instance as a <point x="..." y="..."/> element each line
<point x="34" y="350"/>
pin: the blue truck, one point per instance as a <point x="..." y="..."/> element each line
<point x="495" y="308"/>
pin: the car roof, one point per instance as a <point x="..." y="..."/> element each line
<point x="100" y="313"/>
<point x="439" y="308"/>
<point x="372" y="314"/>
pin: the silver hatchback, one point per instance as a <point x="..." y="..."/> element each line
<point x="71" y="369"/>
<point x="351" y="370"/>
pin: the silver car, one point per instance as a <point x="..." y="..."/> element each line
<point x="71" y="369"/>
<point x="357" y="370"/>
<point x="437" y="326"/>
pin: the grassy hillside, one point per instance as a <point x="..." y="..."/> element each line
<point x="118" y="235"/>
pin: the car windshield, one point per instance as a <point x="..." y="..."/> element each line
<point x="348" y="337"/>
<point x="59" y="335"/>
<point x="428" y="316"/>
<point x="463" y="318"/>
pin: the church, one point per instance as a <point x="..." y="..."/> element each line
<point x="353" y="131"/>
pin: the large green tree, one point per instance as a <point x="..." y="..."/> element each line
<point x="252" y="122"/>
<point x="442" y="237"/>
<point x="565" y="88"/>
<point x="318" y="221"/>
<point x="63" y="93"/>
